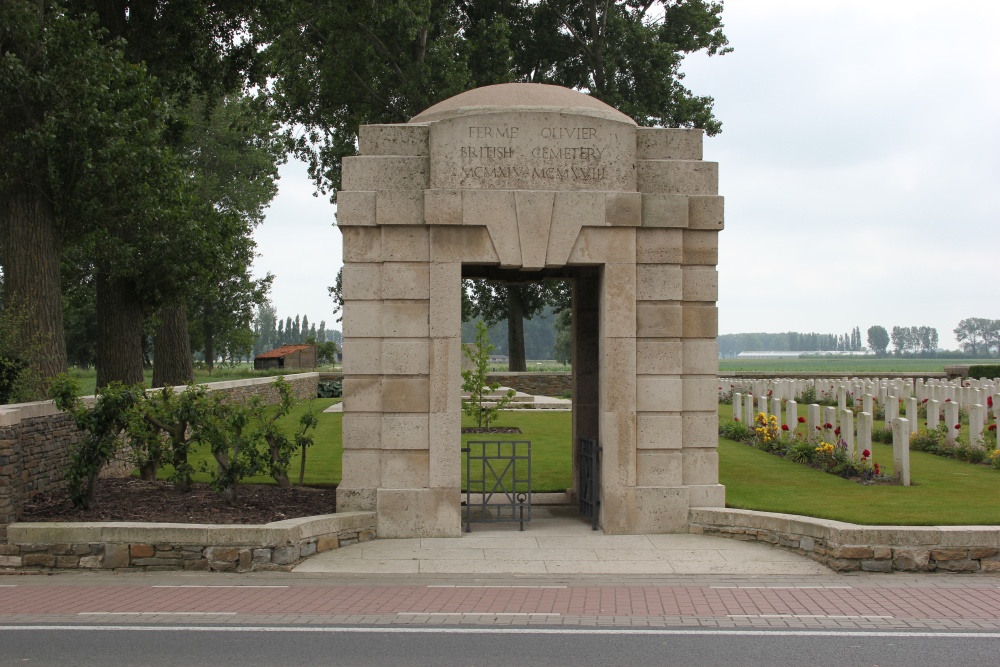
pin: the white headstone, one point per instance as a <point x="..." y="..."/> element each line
<point x="813" y="424"/>
<point x="847" y="432"/>
<point x="737" y="406"/>
<point x="901" y="450"/>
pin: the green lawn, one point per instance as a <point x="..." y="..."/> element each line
<point x="841" y="365"/>
<point x="944" y="491"/>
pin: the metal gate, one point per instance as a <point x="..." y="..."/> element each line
<point x="498" y="473"/>
<point x="588" y="465"/>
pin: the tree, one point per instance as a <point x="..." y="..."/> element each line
<point x="978" y="334"/>
<point x="878" y="339"/>
<point x="564" y="336"/>
<point x="481" y="405"/>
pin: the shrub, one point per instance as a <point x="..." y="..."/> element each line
<point x="735" y="430"/>
<point x="995" y="459"/>
<point x="802" y="452"/>
<point x="476" y="384"/>
<point x="932" y="442"/>
<point x="970" y="453"/>
<point x="808" y="396"/>
<point x="329" y="389"/>
<point x="984" y="371"/>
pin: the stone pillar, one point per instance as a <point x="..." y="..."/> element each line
<point x="748" y="412"/>
<point x="813" y="424"/>
<point x="829" y="417"/>
<point x="950" y="421"/>
<point x="864" y="432"/>
<point x="976" y="419"/>
<point x="901" y="450"/>
<point x="737" y="406"/>
<point x="912" y="414"/>
<point x="847" y="431"/>
<point x="866" y="403"/>
<point x="776" y="410"/>
<point x="791" y="415"/>
<point x="933" y="414"/>
<point x="891" y="410"/>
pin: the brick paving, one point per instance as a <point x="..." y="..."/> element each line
<point x="951" y="602"/>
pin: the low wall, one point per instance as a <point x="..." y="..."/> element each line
<point x="846" y="547"/>
<point x="155" y="547"/>
<point x="36" y="438"/>
<point x="544" y="384"/>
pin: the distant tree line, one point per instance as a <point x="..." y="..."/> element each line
<point x="270" y="331"/>
<point x="731" y="345"/>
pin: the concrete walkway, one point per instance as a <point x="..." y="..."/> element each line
<point x="558" y="541"/>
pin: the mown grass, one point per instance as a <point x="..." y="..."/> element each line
<point x="88" y="377"/>
<point x="944" y="491"/>
<point x="841" y="365"/>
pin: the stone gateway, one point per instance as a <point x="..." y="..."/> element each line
<point x="524" y="182"/>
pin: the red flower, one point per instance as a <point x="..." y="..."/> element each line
<point x="989" y="401"/>
<point x="836" y="431"/>
<point x="736" y="419"/>
<point x="991" y="427"/>
<point x="770" y="391"/>
<point x="947" y="400"/>
<point x="817" y="428"/>
<point x="865" y="454"/>
<point x="802" y="420"/>
<point x="878" y="471"/>
<point x="958" y="427"/>
<point x="784" y="427"/>
<point x="924" y="401"/>
<point x="828" y="425"/>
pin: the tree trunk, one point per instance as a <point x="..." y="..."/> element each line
<point x="172" y="361"/>
<point x="119" y="331"/>
<point x="208" y="335"/>
<point x="515" y="331"/>
<point x="30" y="244"/>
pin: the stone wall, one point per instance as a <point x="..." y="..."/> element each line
<point x="544" y="384"/>
<point x="153" y="548"/>
<point x="35" y="440"/>
<point x="846" y="547"/>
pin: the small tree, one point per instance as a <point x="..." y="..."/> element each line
<point x="475" y="382"/>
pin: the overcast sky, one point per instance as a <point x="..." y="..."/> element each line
<point x="858" y="157"/>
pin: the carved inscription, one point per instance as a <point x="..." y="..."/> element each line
<point x="549" y="151"/>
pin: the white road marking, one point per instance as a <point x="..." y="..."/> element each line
<point x="475" y="613"/>
<point x="459" y="586"/>
<point x="213" y="586"/>
<point x="156" y="613"/>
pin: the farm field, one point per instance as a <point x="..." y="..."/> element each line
<point x="843" y="365"/>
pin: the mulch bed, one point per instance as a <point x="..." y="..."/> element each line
<point x="492" y="429"/>
<point x="136" y="500"/>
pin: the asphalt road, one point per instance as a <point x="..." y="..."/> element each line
<point x="485" y="646"/>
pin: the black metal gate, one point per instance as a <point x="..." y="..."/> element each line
<point x="498" y="472"/>
<point x="588" y="465"/>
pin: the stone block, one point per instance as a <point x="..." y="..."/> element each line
<point x="701" y="283"/>
<point x="397" y="139"/>
<point x="618" y="364"/>
<point x="355" y="208"/>
<point x="990" y="565"/>
<point x="262" y="555"/>
<point x="618" y="301"/>
<point x="911" y="560"/>
<point x="658" y="394"/>
<point x="857" y="552"/>
<point x="699" y="321"/>
<point x="496" y="210"/>
<point x="665" y="210"/>
<point x="67" y="562"/>
<point x="617" y="440"/>
<point x="983" y="552"/>
<point x="446" y="299"/>
<point x="38" y="560"/>
<point x="141" y="551"/>
<point x="572" y="211"/>
<point x="663" y="143"/>
<point x="658" y="357"/>
<point x="657" y="467"/>
<point x="405" y="243"/>
<point x="683" y="177"/>
<point x="285" y="555"/>
<point x="604" y="245"/>
<point x="658" y="509"/>
<point x="469" y="245"/>
<point x="405" y="469"/>
<point x="445" y="463"/>
<point x="706" y="495"/>
<point x="658" y="282"/>
<point x="445" y="374"/>
<point x="362" y="394"/>
<point x="405" y="280"/>
<point x="327" y="543"/>
<point x="659" y="246"/>
<point x="405" y="431"/>
<point x="843" y="565"/>
<point x="307" y="549"/>
<point x="700" y="357"/>
<point x="623" y="209"/>
<point x="367" y="535"/>
<point x="222" y="554"/>
<point x="701" y="394"/>
<point x="200" y="565"/>
<point x="706" y="213"/>
<point x="362" y="356"/>
<point x="701" y="247"/>
<point x="534" y="220"/>
<point x="950" y="554"/>
<point x="354" y="499"/>
<point x="876" y="566"/>
<point x="362" y="281"/>
<point x="403" y="319"/>
<point x="404" y="394"/>
<point x="91" y="562"/>
<point x="362" y="319"/>
<point x="658" y="319"/>
<point x="701" y="466"/>
<point x="386" y="172"/>
<point x="957" y="565"/>
<point x="443" y="207"/>
<point x="362" y="244"/>
<point x="399" y="207"/>
<point x="401" y="356"/>
<point x="115" y="556"/>
<point x="700" y="430"/>
<point x="658" y="430"/>
<point x="413" y="512"/>
<point x="362" y="469"/>
<point x="362" y="430"/>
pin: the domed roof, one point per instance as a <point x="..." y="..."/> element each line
<point x="520" y="97"/>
